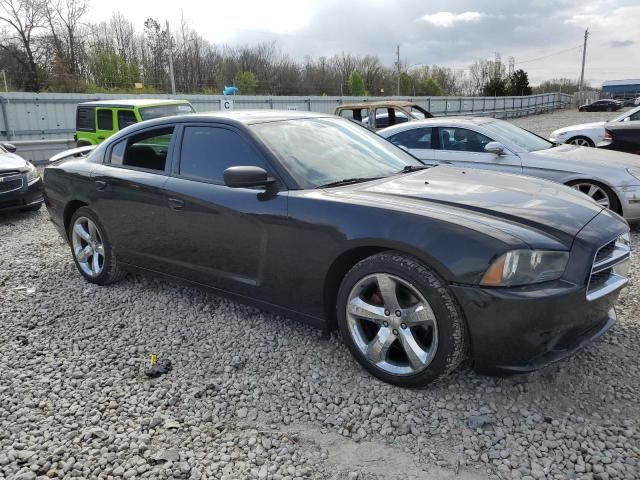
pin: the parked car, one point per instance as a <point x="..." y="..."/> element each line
<point x="377" y="115"/>
<point x="610" y="178"/>
<point x="97" y="121"/>
<point x="589" y="134"/>
<point x="20" y="182"/>
<point x="319" y="219"/>
<point x="622" y="137"/>
<point x="626" y="101"/>
<point x="601" y="106"/>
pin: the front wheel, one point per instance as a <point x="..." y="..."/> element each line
<point x="581" y="141"/>
<point x="91" y="249"/>
<point x="400" y="320"/>
<point x="598" y="192"/>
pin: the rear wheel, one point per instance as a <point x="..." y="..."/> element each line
<point x="91" y="249"/>
<point x="581" y="141"/>
<point x="400" y="320"/>
<point x="598" y="192"/>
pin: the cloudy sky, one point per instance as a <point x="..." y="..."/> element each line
<point x="545" y="37"/>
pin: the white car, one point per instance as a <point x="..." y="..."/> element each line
<point x="590" y="134"/>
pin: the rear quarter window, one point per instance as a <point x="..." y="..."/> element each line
<point x="85" y="119"/>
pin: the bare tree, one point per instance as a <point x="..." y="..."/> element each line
<point x="23" y="18"/>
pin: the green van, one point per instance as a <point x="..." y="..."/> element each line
<point x="96" y="121"/>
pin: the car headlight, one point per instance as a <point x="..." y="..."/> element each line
<point x="524" y="267"/>
<point x="634" y="172"/>
<point x="557" y="134"/>
<point x="32" y="174"/>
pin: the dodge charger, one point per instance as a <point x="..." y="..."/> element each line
<point x="318" y="219"/>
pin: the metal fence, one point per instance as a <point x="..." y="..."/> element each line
<point x="44" y="124"/>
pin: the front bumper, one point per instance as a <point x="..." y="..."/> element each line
<point x="524" y="329"/>
<point x="629" y="197"/>
<point x="24" y="197"/>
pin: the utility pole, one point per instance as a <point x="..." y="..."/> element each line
<point x="173" y="80"/>
<point x="584" y="56"/>
<point x="398" y="65"/>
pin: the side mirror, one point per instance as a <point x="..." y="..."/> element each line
<point x="245" y="177"/>
<point x="9" y="147"/>
<point x="494" y="147"/>
<point x="626" y="119"/>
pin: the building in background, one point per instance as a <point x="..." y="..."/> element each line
<point x="621" y="88"/>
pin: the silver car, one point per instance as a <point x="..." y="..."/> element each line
<point x="611" y="178"/>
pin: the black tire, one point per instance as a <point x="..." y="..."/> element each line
<point x="452" y="338"/>
<point x="110" y="272"/>
<point x="33" y="208"/>
<point x="581" y="137"/>
<point x="614" y="203"/>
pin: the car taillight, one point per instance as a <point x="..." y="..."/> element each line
<point x="607" y="135"/>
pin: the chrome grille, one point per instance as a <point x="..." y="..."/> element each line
<point x="609" y="270"/>
<point x="9" y="183"/>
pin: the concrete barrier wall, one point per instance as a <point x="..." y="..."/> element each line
<point x="43" y="124"/>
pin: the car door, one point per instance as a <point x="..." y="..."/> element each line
<point x="129" y="196"/>
<point x="104" y="123"/>
<point x="464" y="147"/>
<point x="416" y="141"/>
<point x="219" y="235"/>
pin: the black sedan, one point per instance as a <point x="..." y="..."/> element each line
<point x="319" y="219"/>
<point x="20" y="182"/>
<point x="623" y="137"/>
<point x="601" y="106"/>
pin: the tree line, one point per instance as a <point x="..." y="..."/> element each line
<point x="46" y="45"/>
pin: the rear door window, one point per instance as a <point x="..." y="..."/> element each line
<point x="147" y="150"/>
<point x="105" y="119"/>
<point x="208" y="151"/>
<point x="418" y="138"/>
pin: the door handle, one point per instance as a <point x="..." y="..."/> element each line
<point x="101" y="185"/>
<point x="176" y="204"/>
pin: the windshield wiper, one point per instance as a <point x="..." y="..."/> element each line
<point x="414" y="168"/>
<point x="348" y="181"/>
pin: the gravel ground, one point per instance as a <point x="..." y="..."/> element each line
<point x="253" y="395"/>
<point x="546" y="123"/>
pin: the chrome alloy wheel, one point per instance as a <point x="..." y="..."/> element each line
<point x="595" y="192"/>
<point x="87" y="246"/>
<point x="582" y="142"/>
<point x="392" y="324"/>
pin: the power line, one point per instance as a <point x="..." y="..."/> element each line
<point x="549" y="55"/>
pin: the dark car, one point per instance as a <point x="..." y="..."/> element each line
<point x="623" y="137"/>
<point x="601" y="106"/>
<point x="20" y="182"/>
<point x="319" y="219"/>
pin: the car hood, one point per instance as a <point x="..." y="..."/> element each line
<point x="9" y="161"/>
<point x="594" y="156"/>
<point x="581" y="127"/>
<point x="482" y="196"/>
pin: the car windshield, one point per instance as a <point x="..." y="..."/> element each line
<point x="527" y="140"/>
<point x="619" y="118"/>
<point x="319" y="151"/>
<point x="147" y="113"/>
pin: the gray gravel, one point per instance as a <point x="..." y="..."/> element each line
<point x="252" y="395"/>
<point x="546" y="123"/>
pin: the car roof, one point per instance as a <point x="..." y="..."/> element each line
<point x="238" y="117"/>
<point x="382" y="103"/>
<point x="132" y="103"/>
<point x="443" y="121"/>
